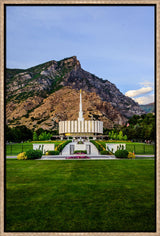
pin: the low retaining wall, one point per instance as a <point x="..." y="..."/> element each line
<point x="114" y="146"/>
<point x="44" y="147"/>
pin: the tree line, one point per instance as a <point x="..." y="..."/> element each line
<point x="140" y="127"/>
<point x="137" y="128"/>
<point x="22" y="134"/>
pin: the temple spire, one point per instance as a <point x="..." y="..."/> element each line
<point x="80" y="118"/>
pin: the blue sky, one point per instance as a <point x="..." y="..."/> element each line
<point x="112" y="42"/>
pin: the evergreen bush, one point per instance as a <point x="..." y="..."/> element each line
<point x="33" y="154"/>
<point x="121" y="153"/>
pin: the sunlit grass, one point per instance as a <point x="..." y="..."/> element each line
<point x="84" y="195"/>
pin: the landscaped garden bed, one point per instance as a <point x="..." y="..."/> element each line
<point x="77" y="157"/>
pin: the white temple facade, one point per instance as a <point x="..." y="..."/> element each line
<point x="80" y="127"/>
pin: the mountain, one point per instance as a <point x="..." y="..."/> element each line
<point x="42" y="95"/>
<point x="148" y="108"/>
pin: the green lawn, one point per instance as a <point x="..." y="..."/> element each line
<point x="14" y="149"/>
<point x="80" y="195"/>
<point x="141" y="148"/>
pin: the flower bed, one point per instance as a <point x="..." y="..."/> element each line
<point x="77" y="157"/>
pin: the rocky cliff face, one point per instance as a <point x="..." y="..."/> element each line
<point x="42" y="95"/>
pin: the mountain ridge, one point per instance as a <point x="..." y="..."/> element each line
<point x="28" y="88"/>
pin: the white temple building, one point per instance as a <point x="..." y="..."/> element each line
<point x="80" y="128"/>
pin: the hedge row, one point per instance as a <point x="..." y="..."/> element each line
<point x="98" y="145"/>
<point x="62" y="145"/>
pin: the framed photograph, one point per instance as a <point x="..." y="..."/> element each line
<point x="80" y="117"/>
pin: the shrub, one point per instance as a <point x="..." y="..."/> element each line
<point x="121" y="153"/>
<point x="80" y="151"/>
<point x="52" y="153"/>
<point x="105" y="153"/>
<point x="33" y="154"/>
<point x="22" y="156"/>
<point x="131" y="155"/>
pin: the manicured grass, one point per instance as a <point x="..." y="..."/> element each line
<point x="15" y="149"/>
<point x="80" y="196"/>
<point x="56" y="142"/>
<point x="145" y="158"/>
<point x="141" y="148"/>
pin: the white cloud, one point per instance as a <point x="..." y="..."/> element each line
<point x="135" y="93"/>
<point x="146" y="83"/>
<point x="147" y="87"/>
<point x="145" y="99"/>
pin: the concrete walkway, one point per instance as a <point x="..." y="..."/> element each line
<point x="99" y="157"/>
<point x="90" y="157"/>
